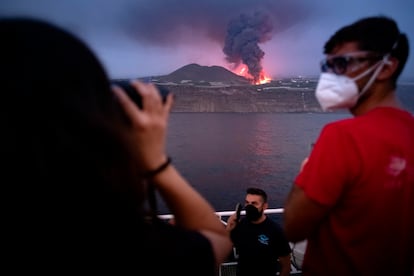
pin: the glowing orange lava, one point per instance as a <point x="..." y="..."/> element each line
<point x="242" y="70"/>
<point x="263" y="78"/>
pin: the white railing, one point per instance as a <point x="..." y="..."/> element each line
<point x="229" y="268"/>
<point x="222" y="214"/>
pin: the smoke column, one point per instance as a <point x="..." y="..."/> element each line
<point x="129" y="27"/>
<point x="244" y="34"/>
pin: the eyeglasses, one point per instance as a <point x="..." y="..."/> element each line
<point x="339" y="64"/>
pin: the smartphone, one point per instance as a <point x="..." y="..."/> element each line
<point x="133" y="94"/>
<point x="238" y="211"/>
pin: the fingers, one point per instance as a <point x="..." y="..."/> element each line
<point x="231" y="222"/>
<point x="148" y="125"/>
<point x="169" y="102"/>
<point x="151" y="97"/>
<point x="128" y="105"/>
<point x="151" y="100"/>
<point x="232" y="218"/>
<point x="149" y="94"/>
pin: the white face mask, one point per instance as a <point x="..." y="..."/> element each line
<point x="339" y="91"/>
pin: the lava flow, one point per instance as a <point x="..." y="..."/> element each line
<point x="242" y="70"/>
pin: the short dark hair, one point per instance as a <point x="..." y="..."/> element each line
<point x="378" y="34"/>
<point x="257" y="191"/>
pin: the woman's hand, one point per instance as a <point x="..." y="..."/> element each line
<point x="148" y="125"/>
<point x="190" y="209"/>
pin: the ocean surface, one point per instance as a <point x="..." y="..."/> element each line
<point x="221" y="154"/>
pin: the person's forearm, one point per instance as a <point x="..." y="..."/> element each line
<point x="285" y="272"/>
<point x="192" y="211"/>
<point x="285" y="264"/>
<point x="189" y="208"/>
<point x="301" y="215"/>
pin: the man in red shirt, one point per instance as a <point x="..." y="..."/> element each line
<point x="353" y="200"/>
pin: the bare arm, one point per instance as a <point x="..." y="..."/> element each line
<point x="285" y="263"/>
<point x="301" y="215"/>
<point x="190" y="209"/>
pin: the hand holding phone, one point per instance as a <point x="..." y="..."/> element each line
<point x="238" y="211"/>
<point x="234" y="219"/>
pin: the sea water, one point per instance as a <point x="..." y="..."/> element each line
<point x="222" y="154"/>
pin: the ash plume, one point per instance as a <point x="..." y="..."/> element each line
<point x="172" y="23"/>
<point x="130" y="26"/>
<point x="244" y="34"/>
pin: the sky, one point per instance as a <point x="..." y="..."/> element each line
<point x="140" y="38"/>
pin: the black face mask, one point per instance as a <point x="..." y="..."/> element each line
<point x="252" y="213"/>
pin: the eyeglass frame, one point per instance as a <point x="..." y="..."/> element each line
<point x="348" y="58"/>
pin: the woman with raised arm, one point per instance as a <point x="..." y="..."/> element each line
<point x="80" y="164"/>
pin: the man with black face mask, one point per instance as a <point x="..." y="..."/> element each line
<point x="260" y="242"/>
<point x="353" y="200"/>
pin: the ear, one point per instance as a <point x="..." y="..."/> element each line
<point x="388" y="69"/>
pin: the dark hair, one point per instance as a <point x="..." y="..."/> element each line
<point x="257" y="191"/>
<point x="64" y="159"/>
<point x="378" y="34"/>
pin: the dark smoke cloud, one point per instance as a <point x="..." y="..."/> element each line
<point x="169" y="23"/>
<point x="165" y="34"/>
<point x="238" y="27"/>
<point x="244" y="34"/>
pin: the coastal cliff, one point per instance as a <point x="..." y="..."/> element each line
<point x="243" y="99"/>
<point x="215" y="89"/>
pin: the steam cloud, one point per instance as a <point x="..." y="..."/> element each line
<point x="244" y="34"/>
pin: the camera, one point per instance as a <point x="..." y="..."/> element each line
<point x="133" y="94"/>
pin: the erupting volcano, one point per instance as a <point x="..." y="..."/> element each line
<point x="242" y="45"/>
<point x="242" y="70"/>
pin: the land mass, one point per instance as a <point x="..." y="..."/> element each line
<point x="243" y="99"/>
<point x="216" y="89"/>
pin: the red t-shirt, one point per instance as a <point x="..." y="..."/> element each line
<point x="363" y="169"/>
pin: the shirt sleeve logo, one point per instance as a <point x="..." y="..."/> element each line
<point x="395" y="168"/>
